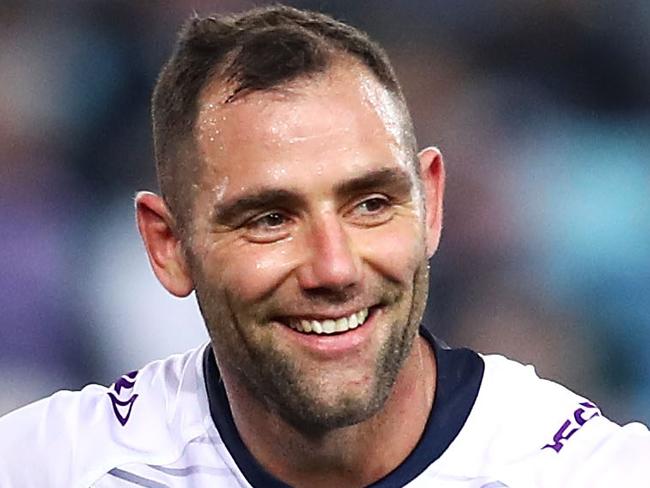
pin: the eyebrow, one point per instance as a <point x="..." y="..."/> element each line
<point x="229" y="213"/>
<point x="397" y="180"/>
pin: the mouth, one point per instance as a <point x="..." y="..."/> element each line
<point x="329" y="326"/>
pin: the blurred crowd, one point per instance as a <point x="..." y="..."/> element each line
<point x="541" y="108"/>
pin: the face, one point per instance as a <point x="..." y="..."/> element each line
<point x="307" y="248"/>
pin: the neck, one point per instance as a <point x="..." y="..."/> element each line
<point x="352" y="456"/>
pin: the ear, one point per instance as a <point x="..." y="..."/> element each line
<point x="432" y="171"/>
<point x="164" y="249"/>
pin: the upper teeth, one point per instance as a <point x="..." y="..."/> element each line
<point x="330" y="326"/>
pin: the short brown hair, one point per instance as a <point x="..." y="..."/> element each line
<point x="255" y="50"/>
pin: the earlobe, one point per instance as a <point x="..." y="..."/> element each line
<point x="163" y="247"/>
<point x="432" y="171"/>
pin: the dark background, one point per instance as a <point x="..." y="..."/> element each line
<point x="541" y="108"/>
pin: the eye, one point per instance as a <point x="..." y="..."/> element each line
<point x="373" y="205"/>
<point x="371" y="211"/>
<point x="269" y="227"/>
<point x="269" y="220"/>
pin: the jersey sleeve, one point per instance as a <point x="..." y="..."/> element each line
<point x="41" y="443"/>
<point x="555" y="438"/>
<point x="72" y="439"/>
<point x="601" y="454"/>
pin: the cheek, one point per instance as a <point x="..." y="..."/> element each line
<point x="396" y="249"/>
<point x="252" y="271"/>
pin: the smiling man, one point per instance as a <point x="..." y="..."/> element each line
<point x="294" y="202"/>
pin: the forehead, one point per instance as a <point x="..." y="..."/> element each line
<point x="344" y="115"/>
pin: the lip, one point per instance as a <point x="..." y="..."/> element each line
<point x="338" y="345"/>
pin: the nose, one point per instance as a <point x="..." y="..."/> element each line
<point x="331" y="262"/>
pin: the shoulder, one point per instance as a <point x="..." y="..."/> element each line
<point x="526" y="410"/>
<point x="528" y="406"/>
<point x="76" y="437"/>
<point x="528" y="431"/>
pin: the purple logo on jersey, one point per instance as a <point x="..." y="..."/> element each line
<point x="581" y="416"/>
<point x="126" y="382"/>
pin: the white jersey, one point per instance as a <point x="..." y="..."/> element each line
<point x="494" y="424"/>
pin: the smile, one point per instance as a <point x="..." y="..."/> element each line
<point x="330" y="326"/>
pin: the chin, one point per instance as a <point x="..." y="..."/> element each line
<point x="314" y="410"/>
<point x="317" y="419"/>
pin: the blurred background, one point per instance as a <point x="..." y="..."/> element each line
<point x="542" y="109"/>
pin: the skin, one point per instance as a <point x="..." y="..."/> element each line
<point x="338" y="224"/>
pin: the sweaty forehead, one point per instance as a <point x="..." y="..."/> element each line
<point x="345" y="104"/>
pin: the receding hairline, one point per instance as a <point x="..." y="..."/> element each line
<point x="340" y="62"/>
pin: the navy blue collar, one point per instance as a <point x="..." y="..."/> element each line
<point x="460" y="372"/>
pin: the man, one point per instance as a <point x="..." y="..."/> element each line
<point x="296" y="206"/>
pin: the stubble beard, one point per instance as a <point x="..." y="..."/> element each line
<point x="275" y="380"/>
